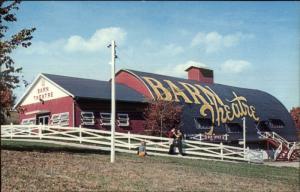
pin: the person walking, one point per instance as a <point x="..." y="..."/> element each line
<point x="172" y="136"/>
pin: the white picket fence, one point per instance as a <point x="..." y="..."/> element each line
<point x="125" y="142"/>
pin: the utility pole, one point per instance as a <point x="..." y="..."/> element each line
<point x="113" y="101"/>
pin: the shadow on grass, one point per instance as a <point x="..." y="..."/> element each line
<point x="47" y="148"/>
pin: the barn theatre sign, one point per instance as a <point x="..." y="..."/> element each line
<point x="43" y="93"/>
<point x="210" y="102"/>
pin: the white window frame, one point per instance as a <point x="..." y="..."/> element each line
<point x="271" y="125"/>
<point x="259" y="126"/>
<point x="199" y="126"/>
<point x="28" y="121"/>
<point x="61" y="120"/>
<point x="57" y="121"/>
<point x="104" y="117"/>
<point x="64" y="119"/>
<point x="120" y="119"/>
<point x="43" y="119"/>
<point x="228" y="130"/>
<point x="87" y="120"/>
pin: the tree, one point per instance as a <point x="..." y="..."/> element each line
<point x="10" y="74"/>
<point x="295" y="113"/>
<point x="161" y="116"/>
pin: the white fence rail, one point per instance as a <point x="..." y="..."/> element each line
<point x="282" y="143"/>
<point x="124" y="142"/>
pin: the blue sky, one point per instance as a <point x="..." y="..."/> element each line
<point x="247" y="44"/>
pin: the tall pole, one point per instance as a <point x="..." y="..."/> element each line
<point x="113" y="103"/>
<point x="244" y="134"/>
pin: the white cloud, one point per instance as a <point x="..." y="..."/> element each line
<point x="179" y="70"/>
<point x="235" y="66"/>
<point x="99" y="40"/>
<point x="213" y="41"/>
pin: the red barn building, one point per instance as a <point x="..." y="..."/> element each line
<point x="209" y="108"/>
<point x="69" y="101"/>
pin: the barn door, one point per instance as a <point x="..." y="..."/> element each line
<point x="43" y="119"/>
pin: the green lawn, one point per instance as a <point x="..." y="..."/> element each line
<point x="80" y="169"/>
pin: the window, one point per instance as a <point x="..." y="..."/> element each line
<point x="105" y="119"/>
<point x="123" y="119"/>
<point x="55" y="119"/>
<point x="61" y="119"/>
<point x="263" y="126"/>
<point x="87" y="118"/>
<point x="203" y="123"/>
<point x="30" y="121"/>
<point x="276" y="123"/>
<point x="43" y="119"/>
<point x="233" y="128"/>
<point x="64" y="119"/>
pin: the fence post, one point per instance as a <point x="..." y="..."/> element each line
<point x="40" y="132"/>
<point x="226" y="136"/>
<point x="11" y="130"/>
<point x="221" y="145"/>
<point x="200" y="137"/>
<point x="129" y="140"/>
<point x="80" y="134"/>
<point x="40" y="126"/>
<point x="247" y="155"/>
<point x="28" y="130"/>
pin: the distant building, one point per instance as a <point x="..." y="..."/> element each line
<point x="214" y="110"/>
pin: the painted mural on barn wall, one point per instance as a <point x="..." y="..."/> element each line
<point x="210" y="104"/>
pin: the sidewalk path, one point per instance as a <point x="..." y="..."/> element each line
<point x="283" y="164"/>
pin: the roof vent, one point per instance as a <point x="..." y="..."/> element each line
<point x="200" y="74"/>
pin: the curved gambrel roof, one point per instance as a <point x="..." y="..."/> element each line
<point x="263" y="105"/>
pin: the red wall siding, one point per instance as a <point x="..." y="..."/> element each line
<point x="196" y="74"/>
<point x="134" y="110"/>
<point x="64" y="104"/>
<point x="131" y="81"/>
<point x="193" y="74"/>
<point x="77" y="115"/>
